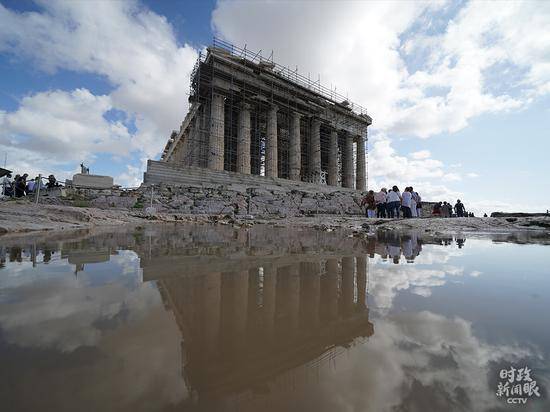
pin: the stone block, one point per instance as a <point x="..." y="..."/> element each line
<point x="92" y="181"/>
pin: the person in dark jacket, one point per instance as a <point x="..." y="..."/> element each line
<point x="459" y="208"/>
<point x="21" y="185"/>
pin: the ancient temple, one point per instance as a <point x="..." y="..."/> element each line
<point x="251" y="117"/>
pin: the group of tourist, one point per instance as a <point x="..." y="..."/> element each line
<point x="444" y="209"/>
<point x="21" y="186"/>
<point x="393" y="203"/>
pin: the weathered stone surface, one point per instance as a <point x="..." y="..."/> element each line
<point x="92" y="181"/>
<point x="218" y="199"/>
<point x="113" y="201"/>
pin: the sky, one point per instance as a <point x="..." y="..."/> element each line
<point x="459" y="91"/>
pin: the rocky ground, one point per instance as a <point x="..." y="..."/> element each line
<point x="23" y="216"/>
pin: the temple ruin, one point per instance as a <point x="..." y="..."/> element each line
<point x="252" y="118"/>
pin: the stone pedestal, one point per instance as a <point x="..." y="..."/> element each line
<point x="92" y="181"/>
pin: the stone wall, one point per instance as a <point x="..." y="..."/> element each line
<point x="215" y="200"/>
<point x="220" y="199"/>
<point x="252" y="201"/>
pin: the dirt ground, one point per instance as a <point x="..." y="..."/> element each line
<point x="22" y="217"/>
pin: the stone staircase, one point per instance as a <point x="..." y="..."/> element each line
<point x="178" y="175"/>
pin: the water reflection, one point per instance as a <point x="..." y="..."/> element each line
<point x="241" y="329"/>
<point x="202" y="318"/>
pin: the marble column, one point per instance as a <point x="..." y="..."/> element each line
<point x="211" y="301"/>
<point x="361" y="168"/>
<point x="217" y="130"/>
<point x="271" y="169"/>
<point x="333" y="159"/>
<point x="192" y="142"/>
<point x="295" y="147"/>
<point x="361" y="263"/>
<point x="315" y="151"/>
<point x="347" y="162"/>
<point x="310" y="294"/>
<point x="348" y="286"/>
<point x="329" y="291"/>
<point x="235" y="306"/>
<point x="294" y="296"/>
<point x="269" y="296"/>
<point x="243" y="140"/>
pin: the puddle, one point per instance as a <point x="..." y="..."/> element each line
<point x="271" y="319"/>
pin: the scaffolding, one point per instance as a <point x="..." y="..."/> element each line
<point x="244" y="77"/>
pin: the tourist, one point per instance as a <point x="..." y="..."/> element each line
<point x="394" y="201"/>
<point x="20" y="185"/>
<point x="459" y="208"/>
<point x="446" y="209"/>
<point x="381" y="198"/>
<point x="30" y="186"/>
<point x="413" y="202"/>
<point x="437" y="209"/>
<point x="370" y="203"/>
<point x="52" y="182"/>
<point x="7" y="189"/>
<point x="418" y="201"/>
<point x="485" y="215"/>
<point x="406" y="202"/>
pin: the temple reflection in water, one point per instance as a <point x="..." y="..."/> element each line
<point x="257" y="309"/>
<point x="242" y="329"/>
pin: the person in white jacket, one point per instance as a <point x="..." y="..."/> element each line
<point x="394" y="202"/>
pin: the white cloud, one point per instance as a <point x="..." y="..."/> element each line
<point x="117" y="316"/>
<point x="416" y="359"/>
<point x="132" y="48"/>
<point x="452" y="177"/>
<point x="387" y="279"/>
<point x="472" y="175"/>
<point x="62" y="123"/>
<point x="421" y="154"/>
<point x="132" y="177"/>
<point x="70" y="316"/>
<point x="427" y="175"/>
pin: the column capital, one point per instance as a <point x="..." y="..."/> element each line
<point x="244" y="106"/>
<point x="273" y="107"/>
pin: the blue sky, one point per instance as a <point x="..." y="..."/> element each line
<point x="459" y="91"/>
